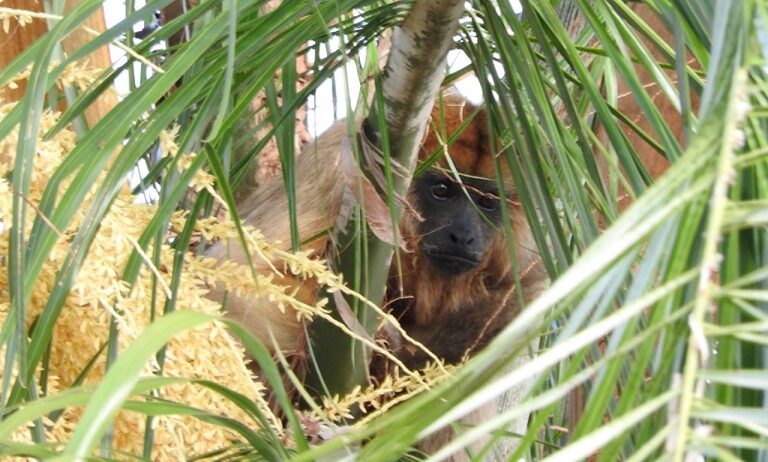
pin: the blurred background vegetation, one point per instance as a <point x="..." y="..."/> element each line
<point x="651" y="339"/>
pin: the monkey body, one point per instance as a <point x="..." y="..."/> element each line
<point x="455" y="288"/>
<point x="318" y="194"/>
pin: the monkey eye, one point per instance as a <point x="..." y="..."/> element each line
<point x="441" y="190"/>
<point x="488" y="203"/>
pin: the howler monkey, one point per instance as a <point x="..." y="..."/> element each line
<point x="457" y="289"/>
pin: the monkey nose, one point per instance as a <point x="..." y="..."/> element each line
<point x="461" y="238"/>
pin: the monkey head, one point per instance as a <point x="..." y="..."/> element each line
<point x="455" y="289"/>
<point x="458" y="201"/>
<point x="459" y="218"/>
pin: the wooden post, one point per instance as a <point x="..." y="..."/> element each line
<point x="19" y="37"/>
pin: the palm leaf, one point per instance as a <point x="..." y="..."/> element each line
<point x="656" y="314"/>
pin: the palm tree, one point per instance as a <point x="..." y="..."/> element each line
<point x="651" y="338"/>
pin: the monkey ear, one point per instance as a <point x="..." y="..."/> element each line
<point x="370" y="135"/>
<point x="377" y="213"/>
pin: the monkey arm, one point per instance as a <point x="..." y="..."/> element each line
<point x="454" y="336"/>
<point x="318" y="198"/>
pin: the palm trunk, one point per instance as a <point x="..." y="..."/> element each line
<point x="409" y="86"/>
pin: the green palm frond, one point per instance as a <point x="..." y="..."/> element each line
<point x="652" y="337"/>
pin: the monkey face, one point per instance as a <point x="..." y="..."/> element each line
<point x="458" y="220"/>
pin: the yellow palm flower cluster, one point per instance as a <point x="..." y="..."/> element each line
<point x="99" y="295"/>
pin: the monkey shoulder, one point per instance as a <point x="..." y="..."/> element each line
<point x="456" y="333"/>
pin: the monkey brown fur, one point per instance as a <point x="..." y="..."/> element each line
<point x="457" y="288"/>
<point x="456" y="313"/>
<point x="318" y="204"/>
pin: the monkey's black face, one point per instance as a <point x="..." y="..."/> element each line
<point x="459" y="220"/>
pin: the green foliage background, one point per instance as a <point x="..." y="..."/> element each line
<point x="660" y="319"/>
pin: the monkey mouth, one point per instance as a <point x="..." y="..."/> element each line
<point x="450" y="263"/>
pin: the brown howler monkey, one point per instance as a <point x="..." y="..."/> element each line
<point x="458" y="289"/>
